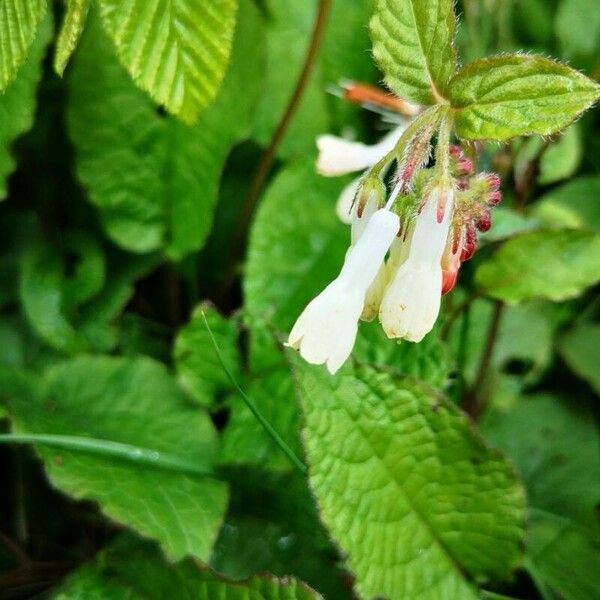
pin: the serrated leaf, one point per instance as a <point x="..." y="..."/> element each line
<point x="70" y="32"/>
<point x="18" y="28"/>
<point x="556" y="265"/>
<point x="153" y="179"/>
<point x="413" y="44"/>
<point x="178" y="52"/>
<point x="198" y="368"/>
<point x="502" y="97"/>
<point x="17" y="102"/>
<point x="135" y="402"/>
<point x="135" y="571"/>
<point x="579" y="347"/>
<point x="296" y="245"/>
<point x="405" y="486"/>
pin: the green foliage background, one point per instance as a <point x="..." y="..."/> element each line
<point x="131" y="467"/>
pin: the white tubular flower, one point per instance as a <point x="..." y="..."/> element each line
<point x="326" y="330"/>
<point x="338" y="156"/>
<point x="411" y="303"/>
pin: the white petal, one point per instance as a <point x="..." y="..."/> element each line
<point x="411" y="303"/>
<point x="343" y="208"/>
<point x="338" y="156"/>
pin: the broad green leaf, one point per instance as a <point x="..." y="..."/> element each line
<point x="17" y="101"/>
<point x="564" y="556"/>
<point x="556" y="265"/>
<point x="296" y="245"/>
<point x="507" y="223"/>
<point x="555" y="446"/>
<point x="413" y="44"/>
<point x="577" y="27"/>
<point x="245" y="442"/>
<point x="579" y="347"/>
<point x="405" y="486"/>
<point x="198" y="368"/>
<point x="574" y="204"/>
<point x="18" y="28"/>
<point x="426" y="361"/>
<point x="135" y="571"/>
<point x="70" y="32"/>
<point x="505" y="96"/>
<point x="135" y="402"/>
<point x="153" y="179"/>
<point x="561" y="160"/>
<point x="288" y="34"/>
<point x="177" y="51"/>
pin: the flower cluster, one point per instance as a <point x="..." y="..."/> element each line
<point x="406" y="245"/>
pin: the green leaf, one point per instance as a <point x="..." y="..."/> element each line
<point x="574" y="204"/>
<point x="70" y="32"/>
<point x="199" y="370"/>
<point x="18" y="28"/>
<point x="406" y="487"/>
<point x="556" y="448"/>
<point x="413" y="44"/>
<point x="17" y="102"/>
<point x="562" y="159"/>
<point x="556" y="265"/>
<point x="579" y="348"/>
<point x="502" y="97"/>
<point x="135" y="402"/>
<point x="245" y="441"/>
<point x="134" y="571"/>
<point x="577" y="27"/>
<point x="296" y="246"/>
<point x="177" y="52"/>
<point x="153" y="179"/>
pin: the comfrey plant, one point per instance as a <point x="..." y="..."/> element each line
<point x="412" y="223"/>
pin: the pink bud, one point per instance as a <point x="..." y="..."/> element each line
<point x="493" y="181"/>
<point x="465" y="167"/>
<point x="455" y="151"/>
<point x="485" y="221"/>
<point x="462" y="185"/>
<point x="494" y="198"/>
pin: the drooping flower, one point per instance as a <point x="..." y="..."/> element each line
<point x="326" y="330"/>
<point x="411" y="302"/>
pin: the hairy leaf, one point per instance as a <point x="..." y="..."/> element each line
<point x="153" y="179"/>
<point x="413" y="43"/>
<point x="70" y="32"/>
<point x="176" y="51"/>
<point x="544" y="264"/>
<point x="18" y="27"/>
<point x="405" y="486"/>
<point x="17" y="102"/>
<point x="136" y="402"/>
<point x="134" y="571"/>
<point x="505" y="96"/>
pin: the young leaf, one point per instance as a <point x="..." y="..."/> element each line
<point x="176" y="51"/>
<point x="543" y="264"/>
<point x="413" y="43"/>
<point x="136" y="571"/>
<point x="17" y="102"/>
<point x="406" y="487"/>
<point x="18" y="28"/>
<point x="134" y="402"/>
<point x="505" y="96"/>
<point x="153" y="179"/>
<point x="70" y="32"/>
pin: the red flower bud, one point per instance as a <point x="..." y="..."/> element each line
<point x="469" y="246"/>
<point x="494" y="198"/>
<point x="465" y="167"/>
<point x="485" y="221"/>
